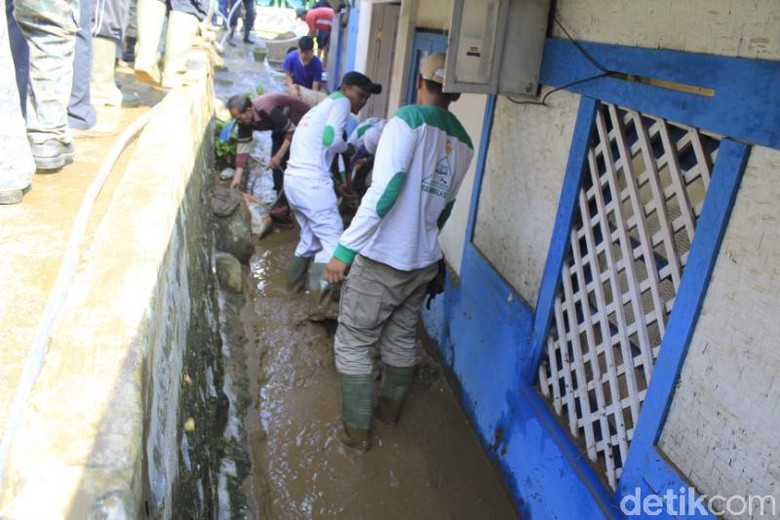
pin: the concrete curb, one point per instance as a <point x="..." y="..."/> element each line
<point x="114" y="367"/>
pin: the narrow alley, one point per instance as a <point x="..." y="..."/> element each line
<point x="430" y="465"/>
<point x="599" y="178"/>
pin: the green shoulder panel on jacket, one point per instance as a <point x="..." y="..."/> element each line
<point x="445" y="214"/>
<point x="328" y="135"/>
<point x="418" y="115"/>
<point x="362" y="129"/>
<point x="390" y="195"/>
<point x="336" y="95"/>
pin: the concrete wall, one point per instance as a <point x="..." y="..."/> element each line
<point x="130" y="359"/>
<point x="434" y="16"/>
<point x="722" y="427"/>
<point x="741" y="28"/>
<point x="470" y="109"/>
<point x="529" y="147"/>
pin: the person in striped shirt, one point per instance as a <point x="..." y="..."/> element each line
<point x="392" y="252"/>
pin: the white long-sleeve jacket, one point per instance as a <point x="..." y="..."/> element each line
<point x="319" y="137"/>
<point x="420" y="163"/>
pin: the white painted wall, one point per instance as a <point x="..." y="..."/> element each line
<point x="524" y="171"/>
<point x="434" y="15"/>
<point x="743" y="28"/>
<point x="363" y="35"/>
<point x="722" y="428"/>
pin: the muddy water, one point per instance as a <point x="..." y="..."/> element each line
<point x="428" y="466"/>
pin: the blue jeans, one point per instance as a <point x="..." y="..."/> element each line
<point x="50" y="26"/>
<point x="81" y="113"/>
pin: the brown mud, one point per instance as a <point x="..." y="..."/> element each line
<point x="428" y="466"/>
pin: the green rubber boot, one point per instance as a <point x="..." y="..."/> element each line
<point x="296" y="273"/>
<point x="396" y="382"/>
<point x="356" y="396"/>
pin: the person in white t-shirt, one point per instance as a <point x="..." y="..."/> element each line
<point x="319" y="138"/>
<point x="392" y="248"/>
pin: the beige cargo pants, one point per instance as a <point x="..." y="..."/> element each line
<point x="379" y="306"/>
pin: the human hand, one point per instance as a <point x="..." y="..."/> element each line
<point x="236" y="182"/>
<point x="276" y="162"/>
<point x="335" y="271"/>
<point x="360" y="163"/>
<point x="250" y="199"/>
<point x="347" y="192"/>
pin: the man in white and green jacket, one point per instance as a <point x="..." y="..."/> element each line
<point x="392" y="248"/>
<point x="318" y="139"/>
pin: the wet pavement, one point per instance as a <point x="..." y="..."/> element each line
<point x="429" y="466"/>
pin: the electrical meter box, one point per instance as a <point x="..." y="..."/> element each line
<point x="496" y="46"/>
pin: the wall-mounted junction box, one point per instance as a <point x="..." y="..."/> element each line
<point x="496" y="46"/>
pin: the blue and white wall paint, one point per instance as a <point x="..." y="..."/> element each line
<point x="716" y="423"/>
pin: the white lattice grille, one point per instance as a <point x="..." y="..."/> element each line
<point x="644" y="187"/>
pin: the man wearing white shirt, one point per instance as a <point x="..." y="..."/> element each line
<point x="392" y="248"/>
<point x="319" y="138"/>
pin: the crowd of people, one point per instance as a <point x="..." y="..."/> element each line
<point x="404" y="172"/>
<point x="64" y="55"/>
<point x="374" y="275"/>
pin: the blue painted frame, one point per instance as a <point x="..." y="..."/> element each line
<point x="487" y="369"/>
<point x="646" y="468"/>
<point x="745" y="104"/>
<point x="743" y="107"/>
<point x="352" y="30"/>
<point x="426" y="42"/>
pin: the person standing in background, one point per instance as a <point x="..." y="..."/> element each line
<point x="320" y="23"/>
<point x="81" y="113"/>
<point x="249" y="22"/>
<point x="50" y="28"/>
<point x="302" y="68"/>
<point x="183" y="19"/>
<point x="16" y="162"/>
<point x="108" y="20"/>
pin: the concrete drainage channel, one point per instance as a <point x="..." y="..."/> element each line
<point x="130" y="415"/>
